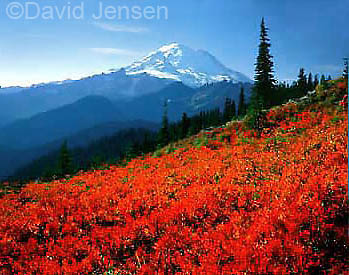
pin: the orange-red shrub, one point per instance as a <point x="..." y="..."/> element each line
<point x="274" y="204"/>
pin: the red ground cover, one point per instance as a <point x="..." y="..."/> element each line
<point x="241" y="204"/>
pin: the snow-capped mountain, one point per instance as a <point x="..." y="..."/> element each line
<point x="165" y="66"/>
<point x="194" y="68"/>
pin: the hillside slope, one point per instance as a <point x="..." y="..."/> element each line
<point x="55" y="124"/>
<point x="228" y="201"/>
<point x="14" y="161"/>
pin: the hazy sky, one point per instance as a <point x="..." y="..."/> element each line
<point x="310" y="33"/>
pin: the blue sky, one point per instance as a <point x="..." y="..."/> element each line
<point x="312" y="34"/>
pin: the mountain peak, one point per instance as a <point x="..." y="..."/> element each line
<point x="178" y="62"/>
<point x="171" y="46"/>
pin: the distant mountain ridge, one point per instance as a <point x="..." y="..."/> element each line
<point x="170" y="63"/>
<point x="59" y="123"/>
<point x="37" y="99"/>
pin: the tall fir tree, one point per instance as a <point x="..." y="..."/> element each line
<point x="147" y="144"/>
<point x="65" y="166"/>
<point x="227" y="112"/>
<point x="310" y="82"/>
<point x="302" y="82"/>
<point x="233" y="109"/>
<point x="185" y="125"/>
<point x="164" y="136"/>
<point x="316" y="81"/>
<point x="323" y="79"/>
<point x="264" y="86"/>
<point x="133" y="150"/>
<point x="242" y="104"/>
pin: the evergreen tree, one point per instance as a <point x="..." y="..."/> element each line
<point x="316" y="81"/>
<point x="133" y="150"/>
<point x="164" y="136"/>
<point x="195" y="124"/>
<point x="173" y="132"/>
<point x="323" y="79"/>
<point x="185" y="125"/>
<point x="242" y="104"/>
<point x="264" y="72"/>
<point x="96" y="161"/>
<point x="201" y="120"/>
<point x="148" y="143"/>
<point x="233" y="109"/>
<point x="310" y="83"/>
<point x="47" y="173"/>
<point x="227" y="112"/>
<point x="218" y="117"/>
<point x="329" y="77"/>
<point x="65" y="166"/>
<point x="302" y="82"/>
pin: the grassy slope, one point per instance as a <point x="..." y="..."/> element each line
<point x="222" y="202"/>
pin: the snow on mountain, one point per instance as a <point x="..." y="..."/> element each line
<point x="194" y="68"/>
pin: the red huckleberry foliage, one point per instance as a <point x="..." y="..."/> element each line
<point x="274" y="203"/>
